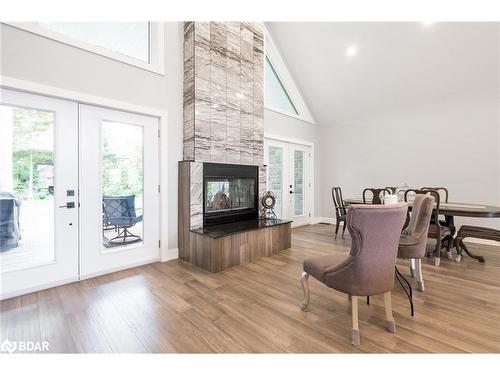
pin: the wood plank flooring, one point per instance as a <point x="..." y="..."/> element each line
<point x="255" y="308"/>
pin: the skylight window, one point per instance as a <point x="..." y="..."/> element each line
<point x="276" y="95"/>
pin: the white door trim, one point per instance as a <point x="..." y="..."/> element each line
<point x="83" y="98"/>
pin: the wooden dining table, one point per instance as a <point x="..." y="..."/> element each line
<point x="450" y="210"/>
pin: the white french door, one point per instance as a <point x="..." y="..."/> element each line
<point x="119" y="190"/>
<point x="38" y="192"/>
<point x="79" y="191"/>
<point x="289" y="176"/>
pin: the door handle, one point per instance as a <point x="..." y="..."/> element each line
<point x="68" y="205"/>
<point x="291" y="192"/>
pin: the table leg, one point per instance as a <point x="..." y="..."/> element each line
<point x="409" y="292"/>
<point x="463" y="247"/>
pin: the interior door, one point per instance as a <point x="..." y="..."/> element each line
<point x="288" y="168"/>
<point x="119" y="190"/>
<point x="38" y="192"/>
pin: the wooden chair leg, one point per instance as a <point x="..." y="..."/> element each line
<point x="437" y="252"/>
<point x="337" y="223"/>
<point x="390" y="324"/>
<point x="449" y="243"/>
<point x="412" y="267"/>
<point x="355" y="326"/>
<point x="458" y="250"/>
<point x="419" y="276"/>
<point x="343" y="228"/>
<point x="304" y="279"/>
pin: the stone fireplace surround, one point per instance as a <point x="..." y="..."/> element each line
<point x="223" y="101"/>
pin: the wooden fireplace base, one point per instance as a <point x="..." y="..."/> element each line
<point x="217" y="253"/>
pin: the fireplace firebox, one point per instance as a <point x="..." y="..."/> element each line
<point x="230" y="193"/>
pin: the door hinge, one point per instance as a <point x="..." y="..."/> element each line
<point x="159" y="244"/>
<point x="159" y="133"/>
<point x="309" y="184"/>
<point x="159" y="189"/>
<point x="309" y="214"/>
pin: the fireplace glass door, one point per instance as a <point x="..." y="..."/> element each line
<point x="227" y="194"/>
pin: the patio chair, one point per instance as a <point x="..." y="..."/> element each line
<point x="10" y="230"/>
<point x="120" y="212"/>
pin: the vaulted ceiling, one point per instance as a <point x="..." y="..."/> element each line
<point x="396" y="65"/>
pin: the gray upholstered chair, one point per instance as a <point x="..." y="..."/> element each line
<point x="417" y="230"/>
<point x="369" y="267"/>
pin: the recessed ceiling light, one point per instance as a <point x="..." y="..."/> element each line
<point x="351" y="51"/>
<point x="239" y="95"/>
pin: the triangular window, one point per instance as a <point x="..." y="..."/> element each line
<point x="276" y="95"/>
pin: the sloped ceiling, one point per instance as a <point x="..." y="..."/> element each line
<point x="397" y="64"/>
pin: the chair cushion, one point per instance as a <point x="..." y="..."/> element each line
<point x="317" y="266"/>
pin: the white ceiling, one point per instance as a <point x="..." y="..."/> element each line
<point x="397" y="64"/>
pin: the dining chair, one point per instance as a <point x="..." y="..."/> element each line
<point x="340" y="209"/>
<point x="417" y="229"/>
<point x="466" y="231"/>
<point x="443" y="192"/>
<point x="369" y="268"/>
<point x="437" y="230"/>
<point x="375" y="194"/>
<point x="392" y="189"/>
<point x="444" y="221"/>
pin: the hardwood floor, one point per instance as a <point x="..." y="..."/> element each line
<point x="176" y="307"/>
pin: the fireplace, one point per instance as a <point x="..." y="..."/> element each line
<point x="230" y="193"/>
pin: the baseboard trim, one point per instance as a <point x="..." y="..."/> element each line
<point x="169" y="254"/>
<point x="480" y="241"/>
<point x="320" y="219"/>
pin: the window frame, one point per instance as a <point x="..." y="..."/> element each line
<point x="284" y="76"/>
<point x="156" y="62"/>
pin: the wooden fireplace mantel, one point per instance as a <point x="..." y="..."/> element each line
<point x="220" y="247"/>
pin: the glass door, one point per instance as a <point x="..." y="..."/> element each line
<point x="38" y="192"/>
<point x="274" y="156"/>
<point x="298" y="183"/>
<point x="288" y="178"/>
<point x="120" y="190"/>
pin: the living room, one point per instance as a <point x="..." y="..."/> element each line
<point x="245" y="186"/>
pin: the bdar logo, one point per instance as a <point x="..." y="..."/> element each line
<point x="8" y="346"/>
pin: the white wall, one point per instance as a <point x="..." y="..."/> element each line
<point x="453" y="143"/>
<point x="286" y="126"/>
<point x="34" y="58"/>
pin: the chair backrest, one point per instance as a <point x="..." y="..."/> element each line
<point x="118" y="207"/>
<point x="392" y="189"/>
<point x="443" y="192"/>
<point x="437" y="201"/>
<point x="376" y="194"/>
<point x="338" y="202"/>
<point x="418" y="226"/>
<point x="375" y="232"/>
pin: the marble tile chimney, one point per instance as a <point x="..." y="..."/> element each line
<point x="223" y="100"/>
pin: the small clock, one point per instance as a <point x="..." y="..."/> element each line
<point x="268" y="202"/>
